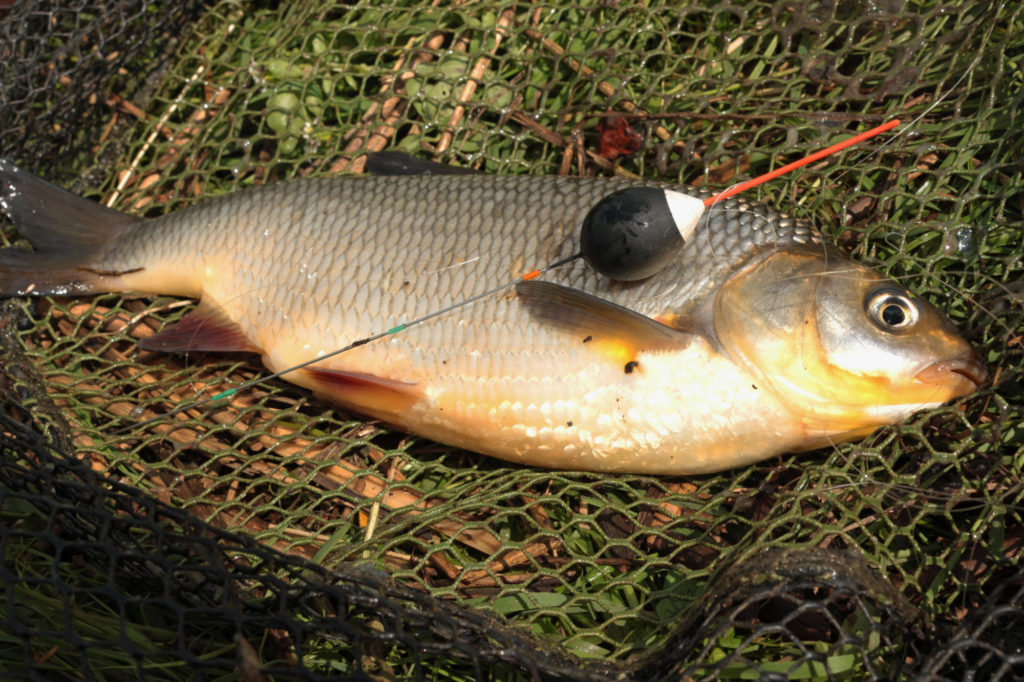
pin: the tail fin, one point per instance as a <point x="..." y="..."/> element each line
<point x="69" y="234"/>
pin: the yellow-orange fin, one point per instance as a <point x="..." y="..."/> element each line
<point x="366" y="391"/>
<point x="610" y="329"/>
<point x="207" y="328"/>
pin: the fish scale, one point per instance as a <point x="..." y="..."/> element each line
<point x="557" y="373"/>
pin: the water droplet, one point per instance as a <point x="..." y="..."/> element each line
<point x="245" y="163"/>
<point x="967" y="242"/>
<point x="962" y="242"/>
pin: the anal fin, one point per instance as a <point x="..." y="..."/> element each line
<point x="374" y="394"/>
<point x="207" y="328"/>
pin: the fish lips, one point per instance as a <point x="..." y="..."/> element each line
<point x="957" y="373"/>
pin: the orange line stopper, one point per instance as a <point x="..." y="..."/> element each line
<point x="839" y="146"/>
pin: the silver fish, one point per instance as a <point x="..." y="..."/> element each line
<point x="757" y="339"/>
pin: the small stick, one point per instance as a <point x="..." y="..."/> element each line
<point x="156" y="131"/>
<point x="475" y="76"/>
<point x="605" y="87"/>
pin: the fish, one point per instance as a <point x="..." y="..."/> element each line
<point x="756" y="339"/>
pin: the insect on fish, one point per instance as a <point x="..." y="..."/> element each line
<point x="754" y="339"/>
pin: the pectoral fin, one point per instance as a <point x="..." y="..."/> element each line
<point x="614" y="331"/>
<point x="207" y="328"/>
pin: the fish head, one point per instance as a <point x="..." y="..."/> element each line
<point x="846" y="349"/>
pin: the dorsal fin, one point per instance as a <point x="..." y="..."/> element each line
<point x="400" y="163"/>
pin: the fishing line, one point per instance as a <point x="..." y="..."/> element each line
<point x="706" y="204"/>
<point x="912" y="125"/>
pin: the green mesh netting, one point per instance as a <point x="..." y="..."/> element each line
<point x="275" y="537"/>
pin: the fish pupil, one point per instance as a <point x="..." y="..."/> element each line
<point x="892" y="310"/>
<point x="893" y="314"/>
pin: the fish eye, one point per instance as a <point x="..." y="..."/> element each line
<point x="892" y="309"/>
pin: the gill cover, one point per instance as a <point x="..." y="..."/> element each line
<point x="845" y="348"/>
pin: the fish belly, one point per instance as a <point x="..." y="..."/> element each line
<point x="493" y="382"/>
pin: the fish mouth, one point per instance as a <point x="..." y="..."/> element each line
<point x="968" y="367"/>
